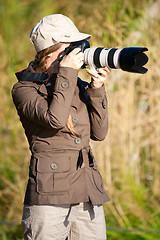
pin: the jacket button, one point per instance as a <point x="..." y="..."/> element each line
<point x="78" y="140"/>
<point x="104" y="103"/>
<point x="54" y="166"/>
<point x="65" y="84"/>
<point x="75" y="119"/>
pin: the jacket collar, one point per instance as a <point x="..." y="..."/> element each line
<point x="30" y="75"/>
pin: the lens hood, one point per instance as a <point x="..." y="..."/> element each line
<point x="132" y="59"/>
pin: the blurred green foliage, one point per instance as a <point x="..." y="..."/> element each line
<point x="134" y="200"/>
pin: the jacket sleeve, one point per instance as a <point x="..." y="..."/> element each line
<point x="98" y="113"/>
<point x="34" y="107"/>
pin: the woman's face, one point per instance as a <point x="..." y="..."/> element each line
<point x="53" y="57"/>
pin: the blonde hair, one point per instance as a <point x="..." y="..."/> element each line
<point x="40" y="64"/>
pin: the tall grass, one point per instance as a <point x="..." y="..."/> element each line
<point x="129" y="157"/>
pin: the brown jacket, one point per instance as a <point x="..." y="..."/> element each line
<point x="62" y="168"/>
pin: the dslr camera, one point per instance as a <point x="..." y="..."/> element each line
<point x="130" y="59"/>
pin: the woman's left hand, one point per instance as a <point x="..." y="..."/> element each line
<point x="98" y="78"/>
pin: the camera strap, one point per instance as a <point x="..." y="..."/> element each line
<point x="82" y="87"/>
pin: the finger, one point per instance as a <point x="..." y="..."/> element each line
<point x="92" y="73"/>
<point x="78" y="55"/>
<point x="76" y="51"/>
<point x="81" y="56"/>
<point x="103" y="71"/>
<point x="107" y="69"/>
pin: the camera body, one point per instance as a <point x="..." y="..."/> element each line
<point x="130" y="59"/>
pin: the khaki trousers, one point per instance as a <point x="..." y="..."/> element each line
<point x="57" y="222"/>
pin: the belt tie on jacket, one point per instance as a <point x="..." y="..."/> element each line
<point x="80" y="161"/>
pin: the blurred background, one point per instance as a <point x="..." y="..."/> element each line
<point x="129" y="157"/>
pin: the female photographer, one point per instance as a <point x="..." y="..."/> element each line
<point x="60" y="113"/>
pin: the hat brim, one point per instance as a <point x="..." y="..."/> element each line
<point x="76" y="38"/>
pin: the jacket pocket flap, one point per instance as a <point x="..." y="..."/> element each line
<point x="59" y="164"/>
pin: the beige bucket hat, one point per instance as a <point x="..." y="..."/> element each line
<point x="53" y="29"/>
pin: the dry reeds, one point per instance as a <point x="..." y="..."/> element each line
<point x="129" y="156"/>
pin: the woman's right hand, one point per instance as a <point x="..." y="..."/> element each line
<point x="74" y="59"/>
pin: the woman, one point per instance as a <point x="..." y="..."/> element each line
<point x="60" y="113"/>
